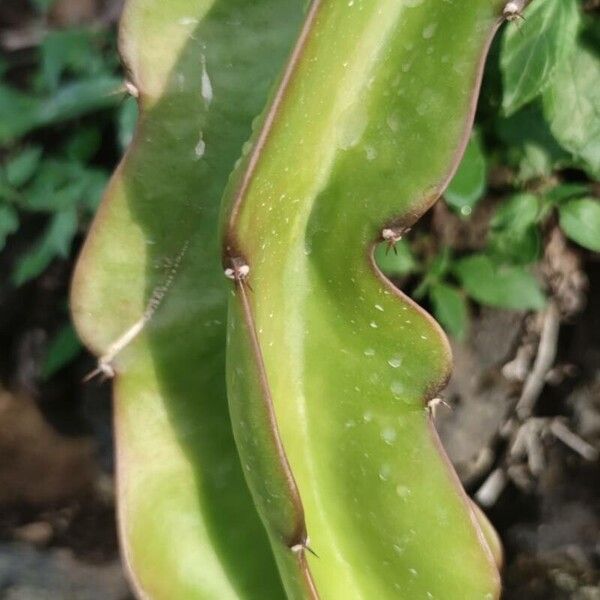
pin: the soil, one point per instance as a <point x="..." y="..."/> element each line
<point x="57" y="519"/>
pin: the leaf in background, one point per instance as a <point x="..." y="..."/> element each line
<point x="18" y="113"/>
<point x="565" y="191"/>
<point x="21" y="113"/>
<point x="81" y="97"/>
<point x="93" y="183"/>
<point x="63" y="348"/>
<point x="435" y="272"/>
<point x="572" y="107"/>
<point x="83" y="144"/>
<point x="532" y="50"/>
<point x="56" y="242"/>
<point x="580" y="220"/>
<point x="9" y="222"/>
<point x="514" y="234"/>
<point x="71" y="50"/>
<point x="468" y="185"/>
<point x="126" y="120"/>
<point x="503" y="286"/>
<point x="43" y="6"/>
<point x="398" y="263"/>
<point x="60" y="185"/>
<point x="52" y="189"/>
<point x="450" y="308"/>
<point x="20" y="168"/>
<point x="531" y="146"/>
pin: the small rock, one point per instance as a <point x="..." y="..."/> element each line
<point x="38" y="533"/>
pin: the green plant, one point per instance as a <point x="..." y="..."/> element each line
<point x="545" y="74"/>
<point x="328" y="366"/>
<point x="50" y="178"/>
<point x="150" y="266"/>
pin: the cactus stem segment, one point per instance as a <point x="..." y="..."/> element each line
<point x="297" y="539"/>
<point x="105" y="367"/>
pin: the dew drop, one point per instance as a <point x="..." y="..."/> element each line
<point x="429" y="31"/>
<point x="384" y="472"/>
<point x="402" y="491"/>
<point x="393" y="123"/>
<point x="370" y="152"/>
<point x="395" y="362"/>
<point x="206" y="89"/>
<point x="389" y="435"/>
<point x="352" y="126"/>
<point x="186" y="21"/>
<point x="200" y="148"/>
<point x="397" y="388"/>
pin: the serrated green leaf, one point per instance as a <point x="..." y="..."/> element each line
<point x="565" y="191"/>
<point x="450" y="308"/>
<point x="83" y="144"/>
<point x="514" y="235"/>
<point x="55" y="242"/>
<point x="533" y="47"/>
<point x="21" y="113"/>
<point x="92" y="183"/>
<point x="396" y="262"/>
<point x="519" y="246"/>
<point x="20" y="168"/>
<point x="531" y="146"/>
<point x="500" y="285"/>
<point x="68" y="49"/>
<point x="79" y="98"/>
<point x="18" y="113"/>
<point x="62" y="184"/>
<point x="580" y="221"/>
<point x="63" y="348"/>
<point x="9" y="222"/>
<point x="518" y="212"/>
<point x="468" y="184"/>
<point x="54" y="188"/>
<point x="571" y="105"/>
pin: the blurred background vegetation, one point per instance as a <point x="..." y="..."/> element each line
<point x="518" y="231"/>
